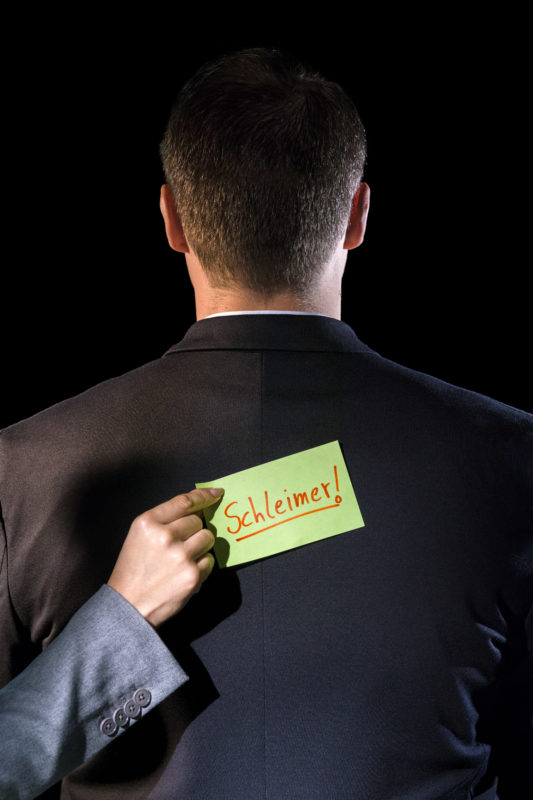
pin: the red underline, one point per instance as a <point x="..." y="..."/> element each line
<point x="314" y="511"/>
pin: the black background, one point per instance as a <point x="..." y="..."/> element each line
<point x="90" y="288"/>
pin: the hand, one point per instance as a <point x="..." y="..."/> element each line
<point x="164" y="559"/>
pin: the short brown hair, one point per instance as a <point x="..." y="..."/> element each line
<point x="263" y="157"/>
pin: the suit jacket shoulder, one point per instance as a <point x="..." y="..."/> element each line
<point x="405" y="636"/>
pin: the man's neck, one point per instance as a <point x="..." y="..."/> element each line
<point x="324" y="297"/>
<point x="224" y="301"/>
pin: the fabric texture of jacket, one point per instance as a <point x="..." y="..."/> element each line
<point x="387" y="663"/>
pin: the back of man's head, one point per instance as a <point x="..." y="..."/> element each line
<point x="263" y="157"/>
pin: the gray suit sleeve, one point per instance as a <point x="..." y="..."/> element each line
<point x="105" y="671"/>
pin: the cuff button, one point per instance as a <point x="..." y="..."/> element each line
<point x="142" y="697"/>
<point x="108" y="726"/>
<point x="120" y="718"/>
<point x="132" y="709"/>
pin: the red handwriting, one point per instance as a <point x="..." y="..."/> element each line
<point x="270" y="508"/>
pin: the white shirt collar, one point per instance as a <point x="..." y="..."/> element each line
<point x="269" y="311"/>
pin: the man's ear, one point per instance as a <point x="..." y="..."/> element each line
<point x="355" y="233"/>
<point x="176" y="237"/>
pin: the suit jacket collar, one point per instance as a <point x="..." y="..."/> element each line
<point x="271" y="332"/>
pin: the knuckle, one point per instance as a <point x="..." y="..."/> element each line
<point x="165" y="537"/>
<point x="192" y="577"/>
<point x="143" y="523"/>
<point x="198" y="522"/>
<point x="185" y="503"/>
<point x="178" y="554"/>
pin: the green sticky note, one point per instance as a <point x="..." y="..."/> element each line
<point x="282" y="504"/>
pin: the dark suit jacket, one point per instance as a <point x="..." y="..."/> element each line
<point x="381" y="663"/>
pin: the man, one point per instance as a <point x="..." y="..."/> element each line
<point x="375" y="664"/>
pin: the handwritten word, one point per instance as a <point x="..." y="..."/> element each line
<point x="272" y="509"/>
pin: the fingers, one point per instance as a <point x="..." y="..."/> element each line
<point x="205" y="566"/>
<point x="165" y="557"/>
<point x="198" y="544"/>
<point x="185" y="527"/>
<point x="184" y="504"/>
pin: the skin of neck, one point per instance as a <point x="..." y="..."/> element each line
<point x="323" y="296"/>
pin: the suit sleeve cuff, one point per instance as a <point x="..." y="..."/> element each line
<point x="136" y="659"/>
<point x="107" y="657"/>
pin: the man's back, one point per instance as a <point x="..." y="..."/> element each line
<point x="372" y="664"/>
